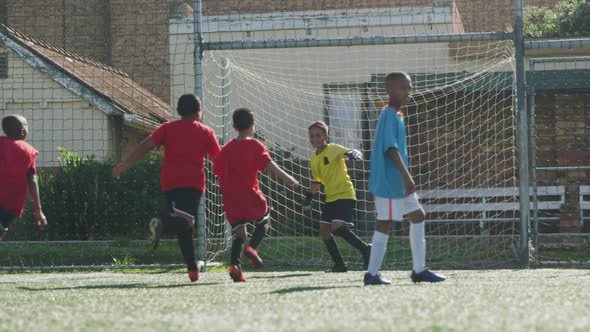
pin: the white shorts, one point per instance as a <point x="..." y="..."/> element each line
<point x="396" y="209"/>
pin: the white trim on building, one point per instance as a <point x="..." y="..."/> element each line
<point x="330" y="19"/>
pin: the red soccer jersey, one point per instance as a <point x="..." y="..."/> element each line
<point x="17" y="160"/>
<point x="185" y="144"/>
<point x="237" y="168"/>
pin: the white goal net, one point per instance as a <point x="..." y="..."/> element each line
<point x="461" y="131"/>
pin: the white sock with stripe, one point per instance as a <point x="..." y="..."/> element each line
<point x="418" y="244"/>
<point x="379" y="246"/>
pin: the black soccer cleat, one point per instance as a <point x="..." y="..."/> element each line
<point x="426" y="276"/>
<point x="377" y="279"/>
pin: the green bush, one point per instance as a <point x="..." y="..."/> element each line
<point x="569" y="18"/>
<point x="82" y="201"/>
<point x="573" y="17"/>
<point x="540" y="22"/>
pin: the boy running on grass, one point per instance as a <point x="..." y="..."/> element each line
<point x="186" y="142"/>
<point x="393" y="186"/>
<point x="328" y="168"/>
<point x="18" y="174"/>
<point x="237" y="167"/>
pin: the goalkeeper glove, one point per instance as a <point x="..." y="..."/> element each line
<point x="307" y="199"/>
<point x="354" y="154"/>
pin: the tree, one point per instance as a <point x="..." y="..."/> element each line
<point x="540" y="22"/>
<point x="573" y="18"/>
<point x="568" y="18"/>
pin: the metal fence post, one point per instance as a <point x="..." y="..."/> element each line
<point x="523" y="154"/>
<point x="225" y="102"/>
<point x="533" y="130"/>
<point x="198" y="55"/>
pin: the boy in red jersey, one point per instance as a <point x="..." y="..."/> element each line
<point x="186" y="142"/>
<point x="18" y="173"/>
<point x="237" y="167"/>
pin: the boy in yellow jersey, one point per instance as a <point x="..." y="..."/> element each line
<point x="329" y="169"/>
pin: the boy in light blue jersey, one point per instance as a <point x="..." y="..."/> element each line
<point x="393" y="186"/>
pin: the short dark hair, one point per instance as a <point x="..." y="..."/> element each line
<point x="321" y="125"/>
<point x="396" y="75"/>
<point x="12" y="125"/>
<point x="243" y="118"/>
<point x="188" y="104"/>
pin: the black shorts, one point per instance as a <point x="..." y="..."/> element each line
<point x="6" y="218"/>
<point x="184" y="200"/>
<point x="339" y="212"/>
<point x="262" y="219"/>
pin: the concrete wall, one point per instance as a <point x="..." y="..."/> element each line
<point x="286" y="87"/>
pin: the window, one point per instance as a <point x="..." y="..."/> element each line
<point x="346" y="114"/>
<point x="3" y="65"/>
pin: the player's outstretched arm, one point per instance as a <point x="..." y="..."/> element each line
<point x="397" y="160"/>
<point x="40" y="219"/>
<point x="273" y="168"/>
<point x="214" y="148"/>
<point x="139" y="151"/>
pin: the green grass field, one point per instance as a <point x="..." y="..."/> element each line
<point x="516" y="300"/>
<point x="310" y="251"/>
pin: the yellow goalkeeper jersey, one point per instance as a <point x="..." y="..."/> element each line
<point x="329" y="169"/>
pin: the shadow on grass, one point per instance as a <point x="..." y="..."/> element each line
<point x="118" y="286"/>
<point x="568" y="276"/>
<point x="293" y="275"/>
<point x="306" y="289"/>
<point x="186" y="285"/>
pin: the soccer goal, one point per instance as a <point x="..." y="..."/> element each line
<point x="461" y="124"/>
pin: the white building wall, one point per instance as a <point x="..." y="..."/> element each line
<point x="285" y="87"/>
<point x="56" y="117"/>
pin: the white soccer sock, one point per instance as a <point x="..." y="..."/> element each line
<point x="378" y="248"/>
<point x="418" y="244"/>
